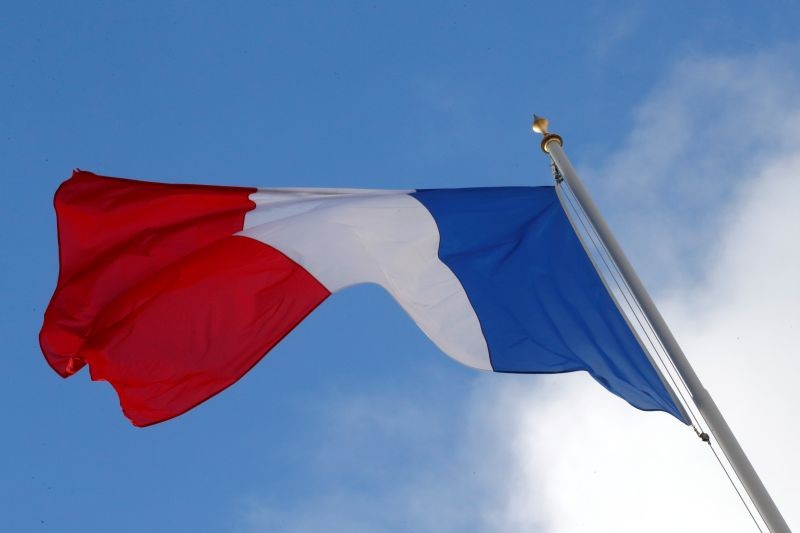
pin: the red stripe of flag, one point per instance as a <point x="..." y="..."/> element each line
<point x="159" y="298"/>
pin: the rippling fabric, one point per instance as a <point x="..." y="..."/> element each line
<point x="172" y="293"/>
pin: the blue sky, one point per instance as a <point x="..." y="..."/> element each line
<point x="356" y="422"/>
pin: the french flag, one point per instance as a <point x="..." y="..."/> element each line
<point x="171" y="293"/>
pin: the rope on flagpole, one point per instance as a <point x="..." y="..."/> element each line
<point x="567" y="194"/>
<point x="739" y="492"/>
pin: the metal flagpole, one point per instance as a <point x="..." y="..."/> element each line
<point x="552" y="145"/>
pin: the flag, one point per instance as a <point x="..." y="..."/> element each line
<point x="171" y="293"/>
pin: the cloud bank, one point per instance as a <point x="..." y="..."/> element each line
<point x="704" y="192"/>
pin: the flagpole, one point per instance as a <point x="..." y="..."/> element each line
<point x="552" y="145"/>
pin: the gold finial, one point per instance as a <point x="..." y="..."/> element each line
<point x="540" y="125"/>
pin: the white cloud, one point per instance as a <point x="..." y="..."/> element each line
<point x="708" y="127"/>
<point x="710" y="173"/>
<point x="622" y="24"/>
<point x="360" y="484"/>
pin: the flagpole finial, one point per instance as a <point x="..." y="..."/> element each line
<point x="540" y="125"/>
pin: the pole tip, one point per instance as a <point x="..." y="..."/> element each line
<point x="540" y="125"/>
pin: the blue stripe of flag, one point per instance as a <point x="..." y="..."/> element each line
<point x="540" y="302"/>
